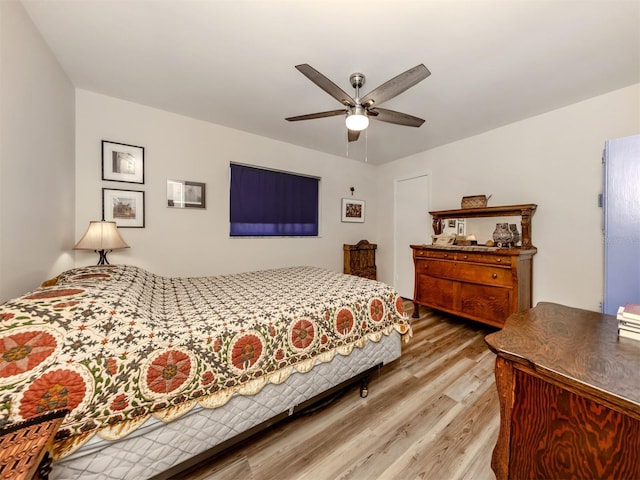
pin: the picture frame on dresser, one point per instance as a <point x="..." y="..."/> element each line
<point x="122" y="162"/>
<point x="125" y="207"/>
<point x="352" y="210"/>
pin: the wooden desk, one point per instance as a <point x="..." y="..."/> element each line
<point x="569" y="393"/>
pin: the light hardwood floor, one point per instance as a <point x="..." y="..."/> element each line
<point x="432" y="414"/>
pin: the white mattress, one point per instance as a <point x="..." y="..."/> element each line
<point x="156" y="446"/>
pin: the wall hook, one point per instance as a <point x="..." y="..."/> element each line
<point x="352" y="190"/>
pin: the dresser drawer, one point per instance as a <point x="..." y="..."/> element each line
<point x="483" y="274"/>
<point x="439" y="254"/>
<point x="479" y="301"/>
<point x="465" y="272"/>
<point x="463" y="256"/>
<point x="437" y="268"/>
<point x="435" y="292"/>
<point x="484" y="258"/>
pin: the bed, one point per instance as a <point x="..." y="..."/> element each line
<point x="159" y="371"/>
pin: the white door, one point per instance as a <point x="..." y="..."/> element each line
<point x="412" y="226"/>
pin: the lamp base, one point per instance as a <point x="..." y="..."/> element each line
<point x="103" y="257"/>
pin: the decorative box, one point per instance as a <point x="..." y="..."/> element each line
<point x="474" y="201"/>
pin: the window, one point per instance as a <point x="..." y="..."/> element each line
<point x="270" y="203"/>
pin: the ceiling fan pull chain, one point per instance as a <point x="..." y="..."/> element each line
<point x="366" y="146"/>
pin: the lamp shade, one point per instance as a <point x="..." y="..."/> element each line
<point x="101" y="235"/>
<point x="357" y="119"/>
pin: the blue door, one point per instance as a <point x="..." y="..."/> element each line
<point x="621" y="205"/>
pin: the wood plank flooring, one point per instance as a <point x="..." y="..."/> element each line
<point x="432" y="414"/>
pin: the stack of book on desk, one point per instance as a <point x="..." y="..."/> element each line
<point x="629" y="321"/>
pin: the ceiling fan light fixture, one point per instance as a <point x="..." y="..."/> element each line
<point x="357" y="119"/>
<point x="357" y="109"/>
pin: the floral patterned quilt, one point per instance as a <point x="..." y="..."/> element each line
<point x="115" y="344"/>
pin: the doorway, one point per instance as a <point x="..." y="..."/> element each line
<point x="412" y="225"/>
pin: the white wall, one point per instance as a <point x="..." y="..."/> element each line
<point x="552" y="160"/>
<point x="36" y="157"/>
<point x="196" y="242"/>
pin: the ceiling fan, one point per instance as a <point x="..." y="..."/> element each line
<point x="359" y="110"/>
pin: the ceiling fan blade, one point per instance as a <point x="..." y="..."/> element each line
<point x="353" y="135"/>
<point x="391" y="116"/>
<point x="311" y="116"/>
<point x="327" y="85"/>
<point x="395" y="86"/>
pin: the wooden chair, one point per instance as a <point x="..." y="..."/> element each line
<point x="360" y="259"/>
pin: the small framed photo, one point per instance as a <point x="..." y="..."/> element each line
<point x="461" y="227"/>
<point x="184" y="194"/>
<point x="125" y="207"/>
<point x="352" y="210"/>
<point x="122" y="162"/>
<point x="443" y="240"/>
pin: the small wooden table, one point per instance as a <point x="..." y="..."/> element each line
<point x="569" y="392"/>
<point x="24" y="447"/>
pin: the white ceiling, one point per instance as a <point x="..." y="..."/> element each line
<point x="231" y="62"/>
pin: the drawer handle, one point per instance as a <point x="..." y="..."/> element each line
<point x="494" y="275"/>
<point x="499" y="260"/>
<point x="446" y="254"/>
<point x="466" y="256"/>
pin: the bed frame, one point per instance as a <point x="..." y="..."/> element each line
<point x="314" y="404"/>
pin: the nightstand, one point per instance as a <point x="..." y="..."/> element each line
<point x="25" y="447"/>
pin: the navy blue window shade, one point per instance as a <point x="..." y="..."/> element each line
<point x="269" y="203"/>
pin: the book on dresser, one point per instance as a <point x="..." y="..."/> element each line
<point x="626" y="333"/>
<point x="634" y="327"/>
<point x="627" y="317"/>
<point x="630" y="311"/>
<point x="628" y="324"/>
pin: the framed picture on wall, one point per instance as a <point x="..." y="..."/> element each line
<point x="125" y="207"/>
<point x="184" y="194"/>
<point x="122" y="162"/>
<point x="352" y="210"/>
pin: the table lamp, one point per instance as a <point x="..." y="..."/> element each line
<point x="101" y="237"/>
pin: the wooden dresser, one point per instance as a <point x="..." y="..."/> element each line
<point x="569" y="392"/>
<point x="360" y="259"/>
<point x="479" y="283"/>
<point x="486" y="284"/>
